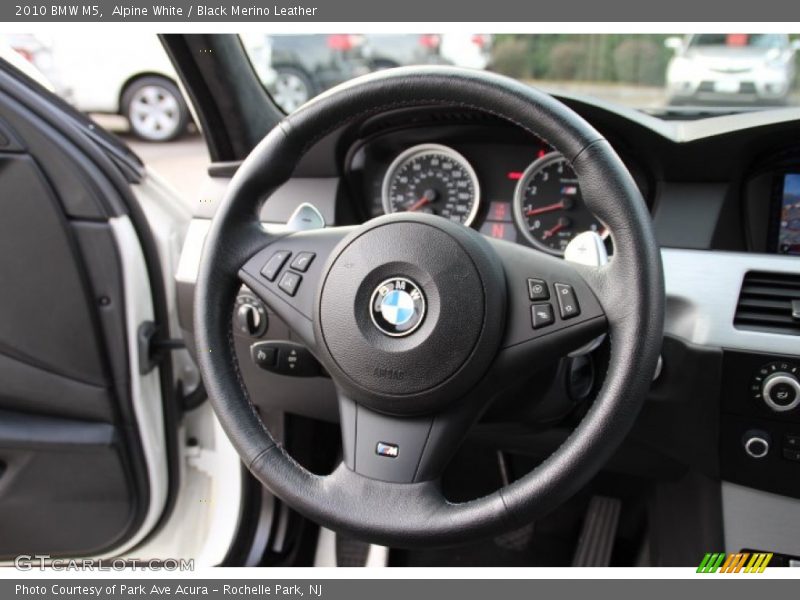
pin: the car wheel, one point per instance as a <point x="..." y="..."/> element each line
<point x="292" y="88"/>
<point x="155" y="109"/>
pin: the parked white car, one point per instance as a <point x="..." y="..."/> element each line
<point x="29" y="55"/>
<point x="130" y="75"/>
<point x="469" y="50"/>
<point x="731" y="68"/>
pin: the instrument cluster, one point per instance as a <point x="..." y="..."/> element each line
<point x="518" y="189"/>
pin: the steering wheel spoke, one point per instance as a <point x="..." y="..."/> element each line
<point x="407" y="449"/>
<point x="379" y="446"/>
<point x="286" y="275"/>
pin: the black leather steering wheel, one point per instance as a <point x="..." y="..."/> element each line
<point x="421" y="321"/>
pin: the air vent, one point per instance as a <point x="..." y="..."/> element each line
<point x="769" y="302"/>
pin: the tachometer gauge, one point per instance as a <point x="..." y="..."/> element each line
<point x="548" y="206"/>
<point x="433" y="179"/>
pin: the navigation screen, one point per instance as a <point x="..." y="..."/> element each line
<point x="789" y="232"/>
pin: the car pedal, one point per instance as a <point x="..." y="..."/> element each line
<point x="518" y="540"/>
<point x="350" y="552"/>
<point x="596" y="541"/>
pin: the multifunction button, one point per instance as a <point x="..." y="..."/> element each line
<point x="537" y="289"/>
<point x="274" y="264"/>
<point x="302" y="261"/>
<point x="567" y="302"/>
<point x="289" y="282"/>
<point x="541" y="315"/>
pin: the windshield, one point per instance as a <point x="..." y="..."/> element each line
<point x="689" y="76"/>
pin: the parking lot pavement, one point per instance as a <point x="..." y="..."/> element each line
<point x="181" y="163"/>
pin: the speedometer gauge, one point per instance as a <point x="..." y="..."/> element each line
<point x="548" y="206"/>
<point x="433" y="179"/>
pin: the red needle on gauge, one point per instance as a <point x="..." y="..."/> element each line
<point x="544" y="209"/>
<point x="553" y="230"/>
<point x="419" y="203"/>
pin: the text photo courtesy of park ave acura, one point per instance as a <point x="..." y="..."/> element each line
<point x="155" y="590"/>
<point x="378" y="299"/>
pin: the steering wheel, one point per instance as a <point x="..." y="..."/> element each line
<point x="420" y="321"/>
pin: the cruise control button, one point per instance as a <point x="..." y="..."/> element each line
<point x="541" y="315"/>
<point x="285" y="358"/>
<point x="302" y="261"/>
<point x="274" y="264"/>
<point x="537" y="289"/>
<point x="567" y="302"/>
<point x="289" y="282"/>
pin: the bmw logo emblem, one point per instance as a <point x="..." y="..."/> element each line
<point x="397" y="307"/>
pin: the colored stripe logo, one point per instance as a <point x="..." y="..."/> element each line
<point x="738" y="562"/>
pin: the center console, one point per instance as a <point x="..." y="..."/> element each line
<point x="760" y="422"/>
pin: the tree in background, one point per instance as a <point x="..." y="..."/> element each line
<point x="639" y="59"/>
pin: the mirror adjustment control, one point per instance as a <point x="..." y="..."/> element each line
<point x="285" y="358"/>
<point x="567" y="302"/>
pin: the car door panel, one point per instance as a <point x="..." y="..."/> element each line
<point x="74" y="480"/>
<point x="44" y="289"/>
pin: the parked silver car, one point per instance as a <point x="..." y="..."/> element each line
<point x="740" y="68"/>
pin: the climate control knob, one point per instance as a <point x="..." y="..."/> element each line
<point x="781" y="391"/>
